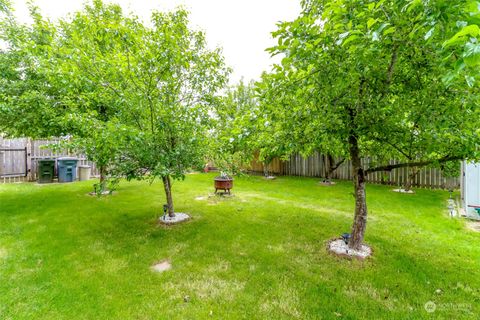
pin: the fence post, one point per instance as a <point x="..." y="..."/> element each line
<point x="28" y="160"/>
<point x="1" y="161"/>
<point x="1" y="156"/>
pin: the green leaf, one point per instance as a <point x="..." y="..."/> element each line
<point x="470" y="30"/>
<point x="350" y="39"/>
<point x="412" y="5"/>
<point x="341" y="37"/>
<point x="470" y="81"/>
<point x="429" y="33"/>
<point x="286" y="62"/>
<point x="448" y="78"/>
<point x="389" y="30"/>
<point x="371" y="22"/>
<point x="472" y="54"/>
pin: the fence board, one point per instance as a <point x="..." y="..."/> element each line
<point x="316" y="166"/>
<point x="25" y="162"/>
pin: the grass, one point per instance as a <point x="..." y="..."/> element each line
<point x="258" y="255"/>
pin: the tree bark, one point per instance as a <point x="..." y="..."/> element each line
<point x="167" y="185"/>
<point x="331" y="166"/>
<point x="390" y="167"/>
<point x="412" y="172"/>
<point x="328" y="173"/>
<point x="103" y="179"/>
<point x="360" y="219"/>
<point x="265" y="169"/>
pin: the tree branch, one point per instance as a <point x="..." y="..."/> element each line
<point x="338" y="164"/>
<point x="390" y="167"/>
<point x="391" y="66"/>
<point x="395" y="147"/>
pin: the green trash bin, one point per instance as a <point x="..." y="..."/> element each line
<point x="46" y="170"/>
<point x="67" y="169"/>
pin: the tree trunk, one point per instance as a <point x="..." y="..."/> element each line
<point x="103" y="179"/>
<point x="168" y="193"/>
<point x="360" y="220"/>
<point x="328" y="173"/>
<point x="331" y="166"/>
<point x="410" y="177"/>
<point x="265" y="169"/>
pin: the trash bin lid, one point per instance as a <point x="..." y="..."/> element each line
<point x="67" y="158"/>
<point x="46" y="160"/>
<point x="85" y="166"/>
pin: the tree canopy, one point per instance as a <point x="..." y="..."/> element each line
<point x="116" y="86"/>
<point x="88" y="49"/>
<point x="233" y="136"/>
<point x="370" y="79"/>
<point x="173" y="84"/>
<point x="28" y="100"/>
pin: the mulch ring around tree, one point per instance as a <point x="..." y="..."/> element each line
<point x="327" y="183"/>
<point x="178" y="218"/>
<point x="339" y="248"/>
<point x="403" y="191"/>
<point x="103" y="193"/>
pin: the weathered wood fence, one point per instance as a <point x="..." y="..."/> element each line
<point x="316" y="166"/>
<point x="19" y="158"/>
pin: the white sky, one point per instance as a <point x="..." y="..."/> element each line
<point x="241" y="27"/>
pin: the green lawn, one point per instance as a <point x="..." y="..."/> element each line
<point x="258" y="255"/>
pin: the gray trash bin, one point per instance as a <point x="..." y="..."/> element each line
<point x="84" y="173"/>
<point x="67" y="169"/>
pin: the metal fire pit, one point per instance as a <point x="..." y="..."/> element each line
<point x="223" y="183"/>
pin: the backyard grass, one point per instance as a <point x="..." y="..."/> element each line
<point x="258" y="255"/>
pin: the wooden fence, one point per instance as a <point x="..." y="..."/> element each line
<point x="19" y="158"/>
<point x="315" y="166"/>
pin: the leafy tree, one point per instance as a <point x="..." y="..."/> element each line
<point x="463" y="48"/>
<point x="56" y="79"/>
<point x="367" y="78"/>
<point x="5" y="6"/>
<point x="116" y="86"/>
<point x="172" y="82"/>
<point x="88" y="50"/>
<point x="243" y="128"/>
<point x="233" y="136"/>
<point x="296" y="131"/>
<point x="100" y="141"/>
<point x="28" y="102"/>
<point x="268" y="140"/>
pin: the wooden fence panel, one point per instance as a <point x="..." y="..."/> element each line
<point x="19" y="166"/>
<point x="14" y="164"/>
<point x="315" y="166"/>
<point x="13" y="160"/>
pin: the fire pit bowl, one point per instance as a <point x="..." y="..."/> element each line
<point x="223" y="183"/>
